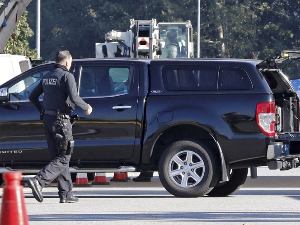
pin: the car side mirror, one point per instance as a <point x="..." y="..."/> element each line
<point x="4" y="96"/>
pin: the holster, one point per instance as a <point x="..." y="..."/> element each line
<point x="65" y="146"/>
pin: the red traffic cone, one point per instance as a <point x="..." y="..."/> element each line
<point x="120" y="177"/>
<point x="126" y="176"/>
<point x="100" y="179"/>
<point x="13" y="210"/>
<point x="81" y="180"/>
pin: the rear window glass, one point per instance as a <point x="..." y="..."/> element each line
<point x="234" y="79"/>
<point x="24" y="65"/>
<point x="205" y="78"/>
<point x="186" y="79"/>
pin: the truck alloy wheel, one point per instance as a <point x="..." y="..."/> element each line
<point x="186" y="169"/>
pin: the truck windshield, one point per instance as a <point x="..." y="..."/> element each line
<point x="173" y="40"/>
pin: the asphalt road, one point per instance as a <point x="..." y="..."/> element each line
<point x="272" y="198"/>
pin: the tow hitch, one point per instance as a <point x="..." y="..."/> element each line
<point x="284" y="165"/>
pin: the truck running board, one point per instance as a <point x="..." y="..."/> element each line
<point x="74" y="170"/>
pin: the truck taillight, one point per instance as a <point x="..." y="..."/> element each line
<point x="265" y="117"/>
<point x="298" y="116"/>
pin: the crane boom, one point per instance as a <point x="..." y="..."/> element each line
<point x="10" y="14"/>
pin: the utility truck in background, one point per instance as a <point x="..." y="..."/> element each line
<point x="149" y="39"/>
<point x="12" y="65"/>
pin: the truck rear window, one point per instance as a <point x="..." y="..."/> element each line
<point x="202" y="78"/>
<point x="231" y="78"/>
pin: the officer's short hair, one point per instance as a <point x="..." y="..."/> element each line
<point x="62" y="56"/>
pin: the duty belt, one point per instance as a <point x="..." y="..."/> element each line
<point x="56" y="113"/>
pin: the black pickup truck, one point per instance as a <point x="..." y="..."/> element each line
<point x="201" y="123"/>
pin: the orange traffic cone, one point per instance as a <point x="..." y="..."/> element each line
<point x="13" y="210"/>
<point x="120" y="177"/>
<point x="81" y="180"/>
<point x="100" y="179"/>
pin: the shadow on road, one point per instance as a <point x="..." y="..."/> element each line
<point x="213" y="217"/>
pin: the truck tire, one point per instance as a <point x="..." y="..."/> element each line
<point x="237" y="178"/>
<point x="186" y="169"/>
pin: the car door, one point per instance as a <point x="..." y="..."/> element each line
<point x="108" y="134"/>
<point x="21" y="132"/>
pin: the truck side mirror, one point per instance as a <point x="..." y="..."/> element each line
<point x="4" y="96"/>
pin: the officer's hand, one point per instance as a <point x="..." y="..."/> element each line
<point x="89" y="111"/>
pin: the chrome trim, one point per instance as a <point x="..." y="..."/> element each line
<point x="20" y="101"/>
<point x="121" y="107"/>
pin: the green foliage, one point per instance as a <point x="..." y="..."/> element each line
<point x="254" y="29"/>
<point x="251" y="28"/>
<point x="18" y="42"/>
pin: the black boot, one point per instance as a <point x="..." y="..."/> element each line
<point x="36" y="188"/>
<point x="69" y="199"/>
<point x="144" y="176"/>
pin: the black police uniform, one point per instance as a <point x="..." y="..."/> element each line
<point x="60" y="98"/>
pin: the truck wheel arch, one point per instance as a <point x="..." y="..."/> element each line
<point x="187" y="132"/>
<point x="187" y="169"/>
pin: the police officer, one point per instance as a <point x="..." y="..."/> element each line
<point x="172" y="44"/>
<point x="60" y="98"/>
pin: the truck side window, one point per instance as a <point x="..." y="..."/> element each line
<point x="179" y="80"/>
<point x="206" y="78"/>
<point x="22" y="89"/>
<point x="234" y="79"/>
<point x="184" y="78"/>
<point x="104" y="81"/>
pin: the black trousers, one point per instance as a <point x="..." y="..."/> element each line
<point x="58" y="168"/>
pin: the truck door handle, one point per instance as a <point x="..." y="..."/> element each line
<point x="118" y="107"/>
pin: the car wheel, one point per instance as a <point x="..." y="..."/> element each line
<point x="237" y="178"/>
<point x="186" y="169"/>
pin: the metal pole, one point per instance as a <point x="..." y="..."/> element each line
<point x="38" y="24"/>
<point x="198" y="36"/>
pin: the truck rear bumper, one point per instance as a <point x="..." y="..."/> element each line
<point x="284" y="154"/>
<point x="283" y="150"/>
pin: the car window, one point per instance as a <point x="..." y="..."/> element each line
<point x="205" y="78"/>
<point x="24" y="65"/>
<point x="22" y="89"/>
<point x="190" y="78"/>
<point x="231" y="78"/>
<point x="104" y="81"/>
